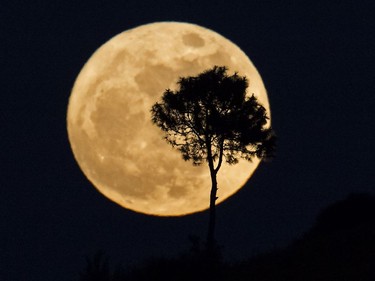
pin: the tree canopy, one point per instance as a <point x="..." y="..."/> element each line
<point x="211" y="117"/>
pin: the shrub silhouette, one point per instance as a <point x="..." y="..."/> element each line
<point x="97" y="268"/>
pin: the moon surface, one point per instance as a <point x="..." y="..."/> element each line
<point x="109" y="123"/>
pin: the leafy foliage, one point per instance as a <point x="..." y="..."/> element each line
<point x="211" y="117"/>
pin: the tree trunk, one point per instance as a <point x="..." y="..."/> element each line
<point x="212" y="219"/>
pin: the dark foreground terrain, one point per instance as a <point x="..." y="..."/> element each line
<point x="340" y="246"/>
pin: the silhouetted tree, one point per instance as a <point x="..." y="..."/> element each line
<point x="211" y="119"/>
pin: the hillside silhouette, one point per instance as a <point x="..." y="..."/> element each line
<point x="339" y="246"/>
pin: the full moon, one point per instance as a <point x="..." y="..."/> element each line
<point x="109" y="123"/>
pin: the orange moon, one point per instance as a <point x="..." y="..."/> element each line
<point x="109" y="123"/>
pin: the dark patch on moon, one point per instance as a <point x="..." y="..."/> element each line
<point x="154" y="79"/>
<point x="193" y="40"/>
<point x="221" y="58"/>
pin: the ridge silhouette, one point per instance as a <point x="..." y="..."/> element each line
<point x="339" y="246"/>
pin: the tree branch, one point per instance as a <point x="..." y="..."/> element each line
<point x="220" y="155"/>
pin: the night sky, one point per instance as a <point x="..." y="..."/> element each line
<point x="317" y="63"/>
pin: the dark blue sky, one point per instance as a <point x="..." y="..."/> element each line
<point x="316" y="60"/>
